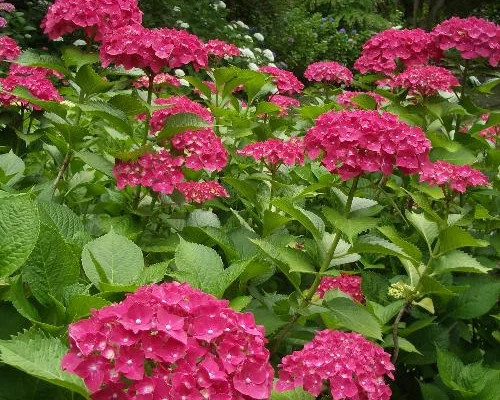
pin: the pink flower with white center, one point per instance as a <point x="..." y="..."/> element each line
<point x="202" y="149"/>
<point x="276" y="151"/>
<point x="153" y="49"/>
<point x="472" y="37"/>
<point x="354" y="142"/>
<point x="349" y="284"/>
<point x="354" y="367"/>
<point x="164" y="363"/>
<point x="159" y="79"/>
<point x="285" y="81"/>
<point x="221" y="49"/>
<point x="96" y="17"/>
<point x="426" y="80"/>
<point x="199" y="192"/>
<point x="408" y="46"/>
<point x="9" y="50"/>
<point x="457" y="177"/>
<point x="160" y="171"/>
<point x="345" y="99"/>
<point x="328" y="71"/>
<point x="177" y="105"/>
<point x="285" y="102"/>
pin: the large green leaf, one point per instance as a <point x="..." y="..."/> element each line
<point x="455" y="237"/>
<point x="74" y="57"/>
<point x="31" y="58"/>
<point x="481" y="295"/>
<point x="378" y="245"/>
<point x="40" y="355"/>
<point x="112" y="259"/>
<point x="428" y="229"/>
<point x="90" y="82"/>
<point x="181" y="122"/>
<point x="395" y="237"/>
<point x="19" y="227"/>
<point x="351" y="227"/>
<point x="116" y="117"/>
<point x="96" y="161"/>
<point x="449" y="367"/>
<point x="11" y="168"/>
<point x="307" y="219"/>
<point x="457" y="260"/>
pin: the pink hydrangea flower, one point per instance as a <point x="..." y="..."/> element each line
<point x="285" y="102"/>
<point x="492" y="133"/>
<point x="160" y="79"/>
<point x="354" y="367"/>
<point x="9" y="50"/>
<point x="199" y="192"/>
<point x="472" y="37"/>
<point x="382" y="51"/>
<point x="136" y="46"/>
<point x="286" y="82"/>
<point x="170" y="341"/>
<point x="27" y="70"/>
<point x="160" y="171"/>
<point x="176" y="105"/>
<point x="96" y="17"/>
<point x="349" y="284"/>
<point x="354" y="142"/>
<point x="7" y="7"/>
<point x="276" y="151"/>
<point x="203" y="149"/>
<point x="328" y="71"/>
<point x="426" y="80"/>
<point x="345" y="99"/>
<point x="221" y="49"/>
<point x="458" y="177"/>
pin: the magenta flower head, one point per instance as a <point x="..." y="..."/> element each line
<point x="199" y="192"/>
<point x="458" y="177"/>
<point x="345" y="99"/>
<point x="170" y="341"/>
<point x="276" y="151"/>
<point x="382" y="51"/>
<point x="160" y="79"/>
<point x="202" y="149"/>
<point x="426" y="80"/>
<point x="354" y="367"/>
<point x="349" y="284"/>
<point x="355" y="142"/>
<point x="159" y="171"/>
<point x="328" y="71"/>
<point x="285" y="81"/>
<point x="96" y="17"/>
<point x="284" y="102"/>
<point x="9" y="50"/>
<point x="177" y="105"/>
<point x="472" y="37"/>
<point x="7" y="7"/>
<point x="220" y="49"/>
<point x="153" y="49"/>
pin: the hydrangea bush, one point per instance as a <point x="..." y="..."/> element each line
<point x="175" y="226"/>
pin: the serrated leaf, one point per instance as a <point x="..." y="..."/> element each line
<point x="375" y="244"/>
<point x="273" y="221"/>
<point x="403" y="344"/>
<point x="449" y="367"/>
<point x="96" y="161"/>
<point x="307" y="219"/>
<point x="90" y="82"/>
<point x="179" y="123"/>
<point x="221" y="237"/>
<point x="295" y="394"/>
<point x="366" y="101"/>
<point x="458" y="261"/>
<point x="12" y="167"/>
<point x="74" y="57"/>
<point x="481" y="295"/>
<point x="395" y="237"/>
<point x="240" y="302"/>
<point x="351" y="227"/>
<point x="18" y="298"/>
<point x="428" y="230"/>
<point x="358" y="203"/>
<point x="113" y="115"/>
<point x="432" y="392"/>
<point x="81" y="305"/>
<point x="203" y="218"/>
<point x="386" y="313"/>
<point x="30" y="57"/>
<point x="455" y="237"/>
<point x="153" y="273"/>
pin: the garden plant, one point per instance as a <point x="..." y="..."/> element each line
<point x="174" y="225"/>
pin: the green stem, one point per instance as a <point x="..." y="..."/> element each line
<point x="395" y="340"/>
<point x="462" y="91"/>
<point x="151" y="78"/>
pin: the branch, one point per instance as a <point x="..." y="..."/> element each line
<point x="395" y="333"/>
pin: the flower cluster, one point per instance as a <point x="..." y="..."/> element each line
<point x="137" y="47"/>
<point x="7" y="7"/>
<point x="276" y="151"/>
<point x="160" y="171"/>
<point x="328" y="71"/>
<point x="96" y="17"/>
<point x="354" y="367"/>
<point x="354" y="142"/>
<point x="284" y="102"/>
<point x="492" y="133"/>
<point x="221" y="49"/>
<point x="345" y="99"/>
<point x="34" y="79"/>
<point x="159" y="79"/>
<point x="170" y="341"/>
<point x="349" y="284"/>
<point x="382" y="51"/>
<point x="426" y="80"/>
<point x="472" y="37"/>
<point x="203" y="149"/>
<point x="199" y="192"/>
<point x="458" y="177"/>
<point x="9" y="50"/>
<point x="286" y="82"/>
<point x="176" y="105"/>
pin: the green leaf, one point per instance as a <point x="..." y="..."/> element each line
<point x="403" y="344"/>
<point x="273" y="221"/>
<point x="395" y="237"/>
<point x="51" y="266"/>
<point x="432" y="392"/>
<point x="264" y="107"/>
<point x="19" y="227"/>
<point x="203" y="218"/>
<point x="460" y="156"/>
<point x="181" y="122"/>
<point x="428" y="230"/>
<point x="449" y="367"/>
<point x="74" y="57"/>
<point x="307" y="219"/>
<point x="481" y="295"/>
<point x="12" y="167"/>
<point x="351" y="227"/>
<point x="30" y="57"/>
<point x="375" y="244"/>
<point x="112" y="259"/>
<point x="358" y="203"/>
<point x="20" y="302"/>
<point x="221" y="237"/>
<point x="454" y="237"/>
<point x="385" y="314"/>
<point x="488" y="86"/>
<point x="153" y="273"/>
<point x="96" y="161"/>
<point x="459" y="261"/>
<point x="366" y="101"/>
<point x="40" y="355"/>
<point x="353" y="316"/>
<point x="90" y="82"/>
<point x="296" y="394"/>
<point x="81" y="305"/>
<point x="117" y="118"/>
<point x="239" y="303"/>
<point x="129" y="104"/>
